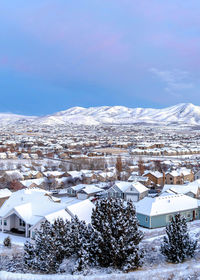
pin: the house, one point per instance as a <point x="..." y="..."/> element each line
<point x="158" y="211"/>
<point x="155" y="177"/>
<point x="34" y="183"/>
<point x="55" y="174"/>
<point x="88" y="191"/>
<point x="32" y="174"/>
<point x="24" y="211"/>
<point x="142" y="179"/>
<point x="128" y="191"/>
<point x="72" y="191"/>
<point x="88" y="176"/>
<point x="4" y="195"/>
<point x="179" y="176"/>
<point x="82" y="209"/>
<point x="192" y="189"/>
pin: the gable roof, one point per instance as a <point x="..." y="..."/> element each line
<point x="139" y="187"/>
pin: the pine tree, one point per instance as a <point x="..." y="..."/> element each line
<point x="29" y="255"/>
<point x="61" y="230"/>
<point x="119" y="236"/>
<point x="43" y="256"/>
<point x="177" y="245"/>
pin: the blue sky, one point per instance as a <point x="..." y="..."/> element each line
<point x="55" y="54"/>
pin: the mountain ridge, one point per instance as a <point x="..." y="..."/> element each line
<point x="183" y="113"/>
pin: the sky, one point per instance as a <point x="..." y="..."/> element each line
<point x="57" y="54"/>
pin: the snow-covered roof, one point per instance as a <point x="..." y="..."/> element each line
<point x="138" y="178"/>
<point x="156" y="174"/>
<point x="75" y="174"/>
<point x="29" y="182"/>
<point x="82" y="209"/>
<point x="139" y="187"/>
<point x="30" y="205"/>
<point x="192" y="187"/>
<point x="53" y="173"/>
<point x="5" y="193"/>
<point x="123" y="185"/>
<point x="180" y="172"/>
<point x="62" y="214"/>
<point x="165" y="204"/>
<point x="78" y="187"/>
<point x="89" y="189"/>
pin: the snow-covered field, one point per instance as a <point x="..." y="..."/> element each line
<point x="155" y="267"/>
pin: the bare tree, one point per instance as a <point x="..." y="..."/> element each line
<point x="118" y="167"/>
<point x="141" y="167"/>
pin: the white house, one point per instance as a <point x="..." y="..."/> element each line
<point x="26" y="209"/>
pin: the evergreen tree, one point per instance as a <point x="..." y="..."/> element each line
<point x="85" y="240"/>
<point x="119" y="236"/>
<point x="29" y="255"/>
<point x="177" y="245"/>
<point x="43" y="255"/>
<point x="61" y="231"/>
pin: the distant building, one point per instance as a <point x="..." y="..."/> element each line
<point x="179" y="176"/>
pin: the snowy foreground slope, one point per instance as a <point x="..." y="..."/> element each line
<point x="179" y="271"/>
<point x="183" y="113"/>
<point x="155" y="267"/>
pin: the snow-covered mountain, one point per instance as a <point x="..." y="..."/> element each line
<point x="184" y="113"/>
<point x="181" y="113"/>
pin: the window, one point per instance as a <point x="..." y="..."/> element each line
<point x="146" y="219"/>
<point x="0" y="222"/>
<point x="21" y="223"/>
<point x="188" y="215"/>
<point x="5" y="222"/>
<point x="171" y="178"/>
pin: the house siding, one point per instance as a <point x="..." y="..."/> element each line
<point x="163" y="220"/>
<point x="143" y="220"/>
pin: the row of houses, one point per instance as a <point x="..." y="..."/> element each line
<point x="23" y="211"/>
<point x="173" y="177"/>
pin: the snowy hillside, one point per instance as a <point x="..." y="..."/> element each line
<point x="6" y="119"/>
<point x="184" y="113"/>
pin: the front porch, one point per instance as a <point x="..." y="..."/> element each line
<point x="13" y="224"/>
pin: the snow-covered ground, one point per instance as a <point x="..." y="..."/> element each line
<point x="187" y="270"/>
<point x="155" y="267"/>
<point x="16" y="240"/>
